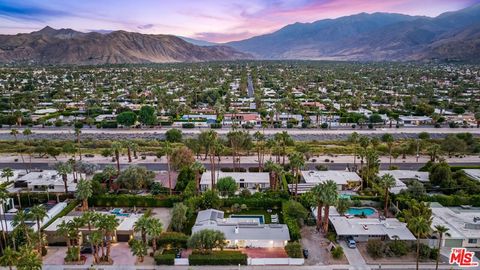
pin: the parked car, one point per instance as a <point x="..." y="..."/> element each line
<point x="305" y="253"/>
<point x="86" y="250"/>
<point x="351" y="243"/>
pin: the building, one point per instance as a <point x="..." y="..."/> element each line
<point x="403" y="177"/>
<point x="45" y="180"/>
<point x="209" y="118"/>
<point x="245" y="180"/>
<point x="415" y="120"/>
<point x="472" y="173"/>
<point x="243" y="232"/>
<point x="346" y="181"/>
<point x="463" y="225"/>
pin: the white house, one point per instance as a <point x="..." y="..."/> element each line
<point x="245" y="180"/>
<point x="404" y="176"/>
<point x="346" y="181"/>
<point x="243" y="232"/>
<point x="45" y="180"/>
<point x="463" y="225"/>
<point x="415" y="120"/>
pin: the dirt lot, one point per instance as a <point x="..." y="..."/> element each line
<point x="317" y="244"/>
<point x="407" y="259"/>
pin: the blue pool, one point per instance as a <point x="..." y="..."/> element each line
<point x="119" y="212"/>
<point x="357" y="211"/>
<point x="260" y="218"/>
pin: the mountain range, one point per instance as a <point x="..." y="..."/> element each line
<point x="363" y="37"/>
<point x="374" y="37"/>
<point x="66" y="46"/>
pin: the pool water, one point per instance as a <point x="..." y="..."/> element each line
<point x="260" y="218"/>
<point x="367" y="211"/>
<point x="118" y="212"/>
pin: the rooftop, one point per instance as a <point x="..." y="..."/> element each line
<point x="240" y="177"/>
<point x="339" y="177"/>
<point x="462" y="223"/>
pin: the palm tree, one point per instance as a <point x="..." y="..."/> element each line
<point x="3" y="199"/>
<point x="107" y="224"/>
<point x="95" y="241"/>
<point x="9" y="258"/>
<point x="198" y="169"/>
<point x="129" y="145"/>
<point x="260" y="146"/>
<point x="90" y="218"/>
<point x="63" y="169"/>
<point x="7" y="173"/>
<point x="29" y="259"/>
<point x="39" y="212"/>
<point x="14" y="133"/>
<point x="372" y="166"/>
<point x="167" y="149"/>
<point x="19" y="220"/>
<point x="330" y="198"/>
<point x="354" y="137"/>
<point x="77" y="132"/>
<point x="297" y="161"/>
<point x="364" y="143"/>
<point x="441" y="231"/>
<point x="389" y="140"/>
<point x="318" y="193"/>
<point x="420" y="227"/>
<point x="84" y="192"/>
<point x="27" y="132"/>
<point x="209" y="140"/>
<point x="154" y="230"/>
<point x="141" y="226"/>
<point x="284" y="140"/>
<point x="138" y="249"/>
<point x="387" y="181"/>
<point x="63" y="230"/>
<point x="275" y="172"/>
<point x="110" y="172"/>
<point x="116" y="148"/>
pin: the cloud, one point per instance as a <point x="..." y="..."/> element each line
<point x="29" y="13"/>
<point x="222" y="37"/>
<point x="146" y="26"/>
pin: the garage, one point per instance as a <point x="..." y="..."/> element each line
<point x="453" y="242"/>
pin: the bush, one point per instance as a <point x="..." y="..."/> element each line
<point x="173" y="135"/>
<point x="397" y="248"/>
<point x="216" y="125"/>
<point x="173" y="239"/>
<point x="424" y="252"/>
<point x="218" y="258"/>
<point x="127" y="200"/>
<point x="164" y="259"/>
<point x="294" y="250"/>
<point x="375" y="248"/>
<point x="337" y="252"/>
<point x="293" y="228"/>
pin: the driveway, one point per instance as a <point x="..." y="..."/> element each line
<point x="316" y="244"/>
<point x="354" y="257"/>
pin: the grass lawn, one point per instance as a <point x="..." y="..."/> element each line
<point x="263" y="212"/>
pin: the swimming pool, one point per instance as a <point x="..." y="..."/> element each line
<point x="358" y="211"/>
<point x="119" y="212"/>
<point x="247" y="218"/>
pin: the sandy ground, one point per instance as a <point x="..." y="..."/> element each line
<point x="317" y="244"/>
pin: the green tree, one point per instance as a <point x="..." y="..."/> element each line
<point x="38" y="212"/>
<point x="198" y="169"/>
<point x="295" y="211"/>
<point x="173" y="135"/>
<point x="63" y="169"/>
<point x="283" y="140"/>
<point x="354" y="139"/>
<point x="135" y="178"/>
<point x="420" y="227"/>
<point x="206" y="240"/>
<point x="441" y="231"/>
<point x="330" y="198"/>
<point x="227" y="186"/>
<point x="318" y="195"/>
<point x="275" y="172"/>
<point x="19" y="220"/>
<point x="441" y="175"/>
<point x="389" y="140"/>
<point x="138" y="249"/>
<point x="127" y="118"/>
<point x="116" y="149"/>
<point x="84" y="192"/>
<point x="297" y="161"/>
<point x="343" y="205"/>
<point x="141" y="226"/>
<point x="107" y="224"/>
<point x="179" y="217"/>
<point x="147" y="115"/>
<point x="387" y="181"/>
<point x="181" y="157"/>
<point x="9" y="258"/>
<point x="29" y="259"/>
<point x="452" y="144"/>
<point x="7" y="173"/>
<point x="154" y="230"/>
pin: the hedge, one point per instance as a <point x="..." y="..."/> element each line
<point x="254" y="202"/>
<point x="127" y="200"/>
<point x="216" y="125"/>
<point x="218" y="258"/>
<point x="188" y="125"/>
<point x="365" y="198"/>
<point x="455" y="200"/>
<point x="173" y="239"/>
<point x="293" y="228"/>
<point x="294" y="250"/>
<point x="284" y="183"/>
<point x="164" y="259"/>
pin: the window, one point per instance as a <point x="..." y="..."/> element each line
<point x="472" y="241"/>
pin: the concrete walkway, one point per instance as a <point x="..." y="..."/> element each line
<point x="354" y="257"/>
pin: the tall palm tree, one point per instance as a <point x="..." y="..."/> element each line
<point x="141" y="226"/>
<point x="138" y="249"/>
<point x="198" y="169"/>
<point x="39" y="212"/>
<point x="14" y="133"/>
<point x="283" y="139"/>
<point x="77" y="132"/>
<point x="168" y="150"/>
<point x="372" y="165"/>
<point x="318" y="193"/>
<point x="260" y="146"/>
<point x="29" y="259"/>
<point x="27" y="132"/>
<point x="116" y="148"/>
<point x="63" y="230"/>
<point x="389" y="140"/>
<point x="209" y="140"/>
<point x="90" y="218"/>
<point x="297" y="161"/>
<point x="84" y="192"/>
<point x="110" y="173"/>
<point x="387" y="181"/>
<point x="63" y="169"/>
<point x="19" y="220"/>
<point x="354" y="137"/>
<point x="330" y="198"/>
<point x="95" y="241"/>
<point x="441" y="231"/>
<point x="3" y="199"/>
<point x="9" y="258"/>
<point x="129" y="145"/>
<point x="7" y="173"/>
<point x="154" y="230"/>
<point x="420" y="228"/>
<point x="107" y="224"/>
<point x="275" y="171"/>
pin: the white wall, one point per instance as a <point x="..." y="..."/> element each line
<point x="275" y="261"/>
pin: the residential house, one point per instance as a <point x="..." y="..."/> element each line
<point x="347" y="182"/>
<point x="403" y="177"/>
<point x="253" y="181"/>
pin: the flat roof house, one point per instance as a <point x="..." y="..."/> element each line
<point x="243" y="232"/>
<point x="415" y="120"/>
<point x="404" y="176"/>
<point x="245" y="180"/>
<point x="346" y="181"/>
<point x="463" y="225"/>
<point x="45" y="180"/>
<point x="472" y="173"/>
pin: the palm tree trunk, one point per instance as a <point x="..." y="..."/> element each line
<point x="385" y="207"/>
<point x="169" y="175"/>
<point x="117" y="157"/>
<point x="418" y="250"/>
<point x="129" y="153"/>
<point x="325" y="222"/>
<point x="439" y="247"/>
<point x="319" y="216"/>
<point x="64" y="178"/>
<point x="40" y="244"/>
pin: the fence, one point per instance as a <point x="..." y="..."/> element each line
<point x="275" y="261"/>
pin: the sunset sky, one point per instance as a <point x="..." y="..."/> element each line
<point x="212" y="20"/>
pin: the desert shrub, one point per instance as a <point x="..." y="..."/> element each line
<point x="375" y="248"/>
<point x="337" y="252"/>
<point x="294" y="250"/>
<point x="397" y="248"/>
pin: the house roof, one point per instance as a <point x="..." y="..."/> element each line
<point x="339" y="177"/>
<point x="390" y="227"/>
<point x="239" y="177"/>
<point x="473" y="173"/>
<point x="462" y="223"/>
